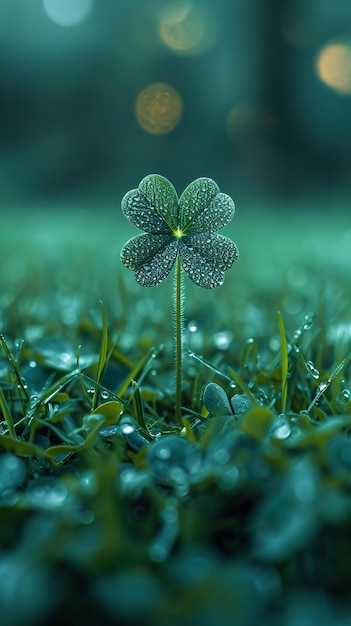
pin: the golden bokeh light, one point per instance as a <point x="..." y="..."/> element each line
<point x="333" y="66"/>
<point x="185" y="29"/>
<point x="158" y="108"/>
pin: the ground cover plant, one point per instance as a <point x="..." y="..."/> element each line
<point x="181" y="233"/>
<point x="113" y="513"/>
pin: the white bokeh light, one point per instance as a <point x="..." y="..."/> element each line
<point x="68" y="12"/>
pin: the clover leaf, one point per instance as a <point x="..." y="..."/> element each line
<point x="184" y="227"/>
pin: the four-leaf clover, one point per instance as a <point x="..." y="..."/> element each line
<point x="186" y="227"/>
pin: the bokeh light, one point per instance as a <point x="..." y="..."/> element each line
<point x="333" y="66"/>
<point x="68" y="12"/>
<point x="158" y="108"/>
<point x="186" y="29"/>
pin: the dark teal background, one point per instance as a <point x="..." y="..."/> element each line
<point x="68" y="128"/>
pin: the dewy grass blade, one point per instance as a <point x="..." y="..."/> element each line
<point x="323" y="386"/>
<point x="138" y="405"/>
<point x="209" y="366"/>
<point x="7" y="415"/>
<point x="242" y="385"/>
<point x="284" y="362"/>
<point x="20" y="384"/>
<point x="145" y="362"/>
<point x="102" y="355"/>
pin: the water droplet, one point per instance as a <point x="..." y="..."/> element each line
<point x="297" y="334"/>
<point x="104" y="395"/>
<point x="312" y="369"/>
<point x="109" y="431"/>
<point x="32" y="364"/>
<point x="223" y="339"/>
<point x="308" y="321"/>
<point x="346" y="393"/>
<point x="127" y="429"/>
<point x="274" y="344"/>
<point x="322" y="387"/>
<point x="91" y="390"/>
<point x="282" y="430"/>
<point x="192" y="327"/>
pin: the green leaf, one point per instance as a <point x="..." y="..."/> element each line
<point x="197" y="197"/>
<point x="161" y="195"/>
<point x="151" y="257"/>
<point x="206" y="257"/>
<point x="7" y="415"/>
<point x="215" y="217"/>
<point x="21" y="448"/>
<point x="285" y="361"/>
<point x="216" y="400"/>
<point x="141" y="249"/>
<point x="257" y="422"/>
<point x="110" y="410"/>
<point x="142" y="214"/>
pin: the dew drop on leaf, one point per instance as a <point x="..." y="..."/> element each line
<point x="223" y="339"/>
<point x="312" y="369"/>
<point x="127" y="429"/>
<point x="308" y="322"/>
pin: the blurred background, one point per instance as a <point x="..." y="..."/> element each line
<point x="95" y="94"/>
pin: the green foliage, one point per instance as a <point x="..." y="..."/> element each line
<point x="111" y="513"/>
<point x="183" y="227"/>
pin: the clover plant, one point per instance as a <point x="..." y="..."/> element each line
<point x="178" y="232"/>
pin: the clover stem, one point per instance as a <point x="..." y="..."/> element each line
<point x="178" y="292"/>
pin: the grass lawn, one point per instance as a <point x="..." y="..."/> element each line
<point x="112" y="513"/>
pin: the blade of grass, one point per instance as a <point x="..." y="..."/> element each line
<point x="21" y="385"/>
<point x="138" y="405"/>
<point x="323" y="386"/>
<point x="284" y="362"/>
<point x="102" y="356"/>
<point x="145" y="362"/>
<point x="244" y="388"/>
<point x="7" y="415"/>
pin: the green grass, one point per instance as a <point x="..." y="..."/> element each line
<point x="111" y="513"/>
